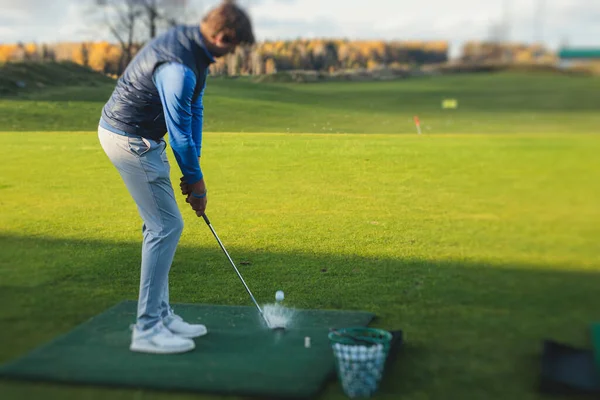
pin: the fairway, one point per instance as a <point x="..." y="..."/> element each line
<point x="487" y="103"/>
<point x="478" y="243"/>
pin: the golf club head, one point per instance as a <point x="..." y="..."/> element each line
<point x="275" y="326"/>
<point x="278" y="328"/>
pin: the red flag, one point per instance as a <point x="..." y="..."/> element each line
<point x="418" y="124"/>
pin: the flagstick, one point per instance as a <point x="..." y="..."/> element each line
<point x="418" y="124"/>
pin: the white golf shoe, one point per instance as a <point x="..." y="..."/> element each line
<point x="159" y="340"/>
<point x="179" y="327"/>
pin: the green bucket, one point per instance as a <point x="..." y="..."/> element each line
<point x="360" y="355"/>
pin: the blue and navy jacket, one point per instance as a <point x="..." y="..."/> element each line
<point x="135" y="106"/>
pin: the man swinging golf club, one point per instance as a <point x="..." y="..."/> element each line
<point x="161" y="90"/>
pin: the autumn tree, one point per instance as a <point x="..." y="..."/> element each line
<point x="270" y="66"/>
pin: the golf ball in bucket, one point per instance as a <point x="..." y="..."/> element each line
<point x="279" y="295"/>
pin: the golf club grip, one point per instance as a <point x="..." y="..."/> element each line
<point x="206" y="219"/>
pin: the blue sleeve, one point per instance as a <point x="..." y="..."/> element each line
<point x="198" y="120"/>
<point x="176" y="84"/>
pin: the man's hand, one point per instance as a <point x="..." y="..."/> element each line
<point x="185" y="188"/>
<point x="196" y="196"/>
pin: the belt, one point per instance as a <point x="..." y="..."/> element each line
<point x="116" y="131"/>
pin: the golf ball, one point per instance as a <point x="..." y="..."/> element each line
<point x="279" y="295"/>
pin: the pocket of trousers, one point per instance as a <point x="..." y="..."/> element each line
<point x="139" y="146"/>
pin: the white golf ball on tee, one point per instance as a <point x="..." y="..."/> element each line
<point x="279" y="295"/>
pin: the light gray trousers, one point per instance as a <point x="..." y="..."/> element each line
<point x="144" y="167"/>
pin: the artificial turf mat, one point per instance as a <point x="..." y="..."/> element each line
<point x="239" y="356"/>
<point x="570" y="370"/>
<point x="595" y="336"/>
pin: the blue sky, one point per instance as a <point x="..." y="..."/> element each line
<point x="574" y="22"/>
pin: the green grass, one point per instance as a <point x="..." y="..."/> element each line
<point x="478" y="243"/>
<point x="477" y="246"/>
<point x="494" y="103"/>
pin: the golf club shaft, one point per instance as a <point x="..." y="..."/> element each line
<point x="232" y="263"/>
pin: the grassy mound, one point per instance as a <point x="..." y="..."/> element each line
<point x="16" y="78"/>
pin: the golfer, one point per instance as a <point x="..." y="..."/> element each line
<point x="161" y="91"/>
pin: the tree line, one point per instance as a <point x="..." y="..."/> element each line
<point x="262" y="58"/>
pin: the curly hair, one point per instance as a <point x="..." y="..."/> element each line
<point x="228" y="18"/>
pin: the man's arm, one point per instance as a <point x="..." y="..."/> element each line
<point x="197" y="125"/>
<point x="198" y="120"/>
<point x="175" y="84"/>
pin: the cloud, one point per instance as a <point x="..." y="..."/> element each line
<point x="456" y="21"/>
<point x="269" y="27"/>
<point x="34" y="20"/>
<point x="6" y="21"/>
<point x="6" y="31"/>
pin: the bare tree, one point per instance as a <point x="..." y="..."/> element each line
<point x="122" y="19"/>
<point x="497" y="32"/>
<point x="152" y="15"/>
<point x="85" y="54"/>
<point x="132" y="22"/>
<point x="164" y="13"/>
<point x="258" y="64"/>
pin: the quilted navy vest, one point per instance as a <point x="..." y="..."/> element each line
<point x="135" y="105"/>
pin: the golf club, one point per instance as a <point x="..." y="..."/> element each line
<point x="239" y="275"/>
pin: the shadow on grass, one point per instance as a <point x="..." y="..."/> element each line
<point x="472" y="330"/>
